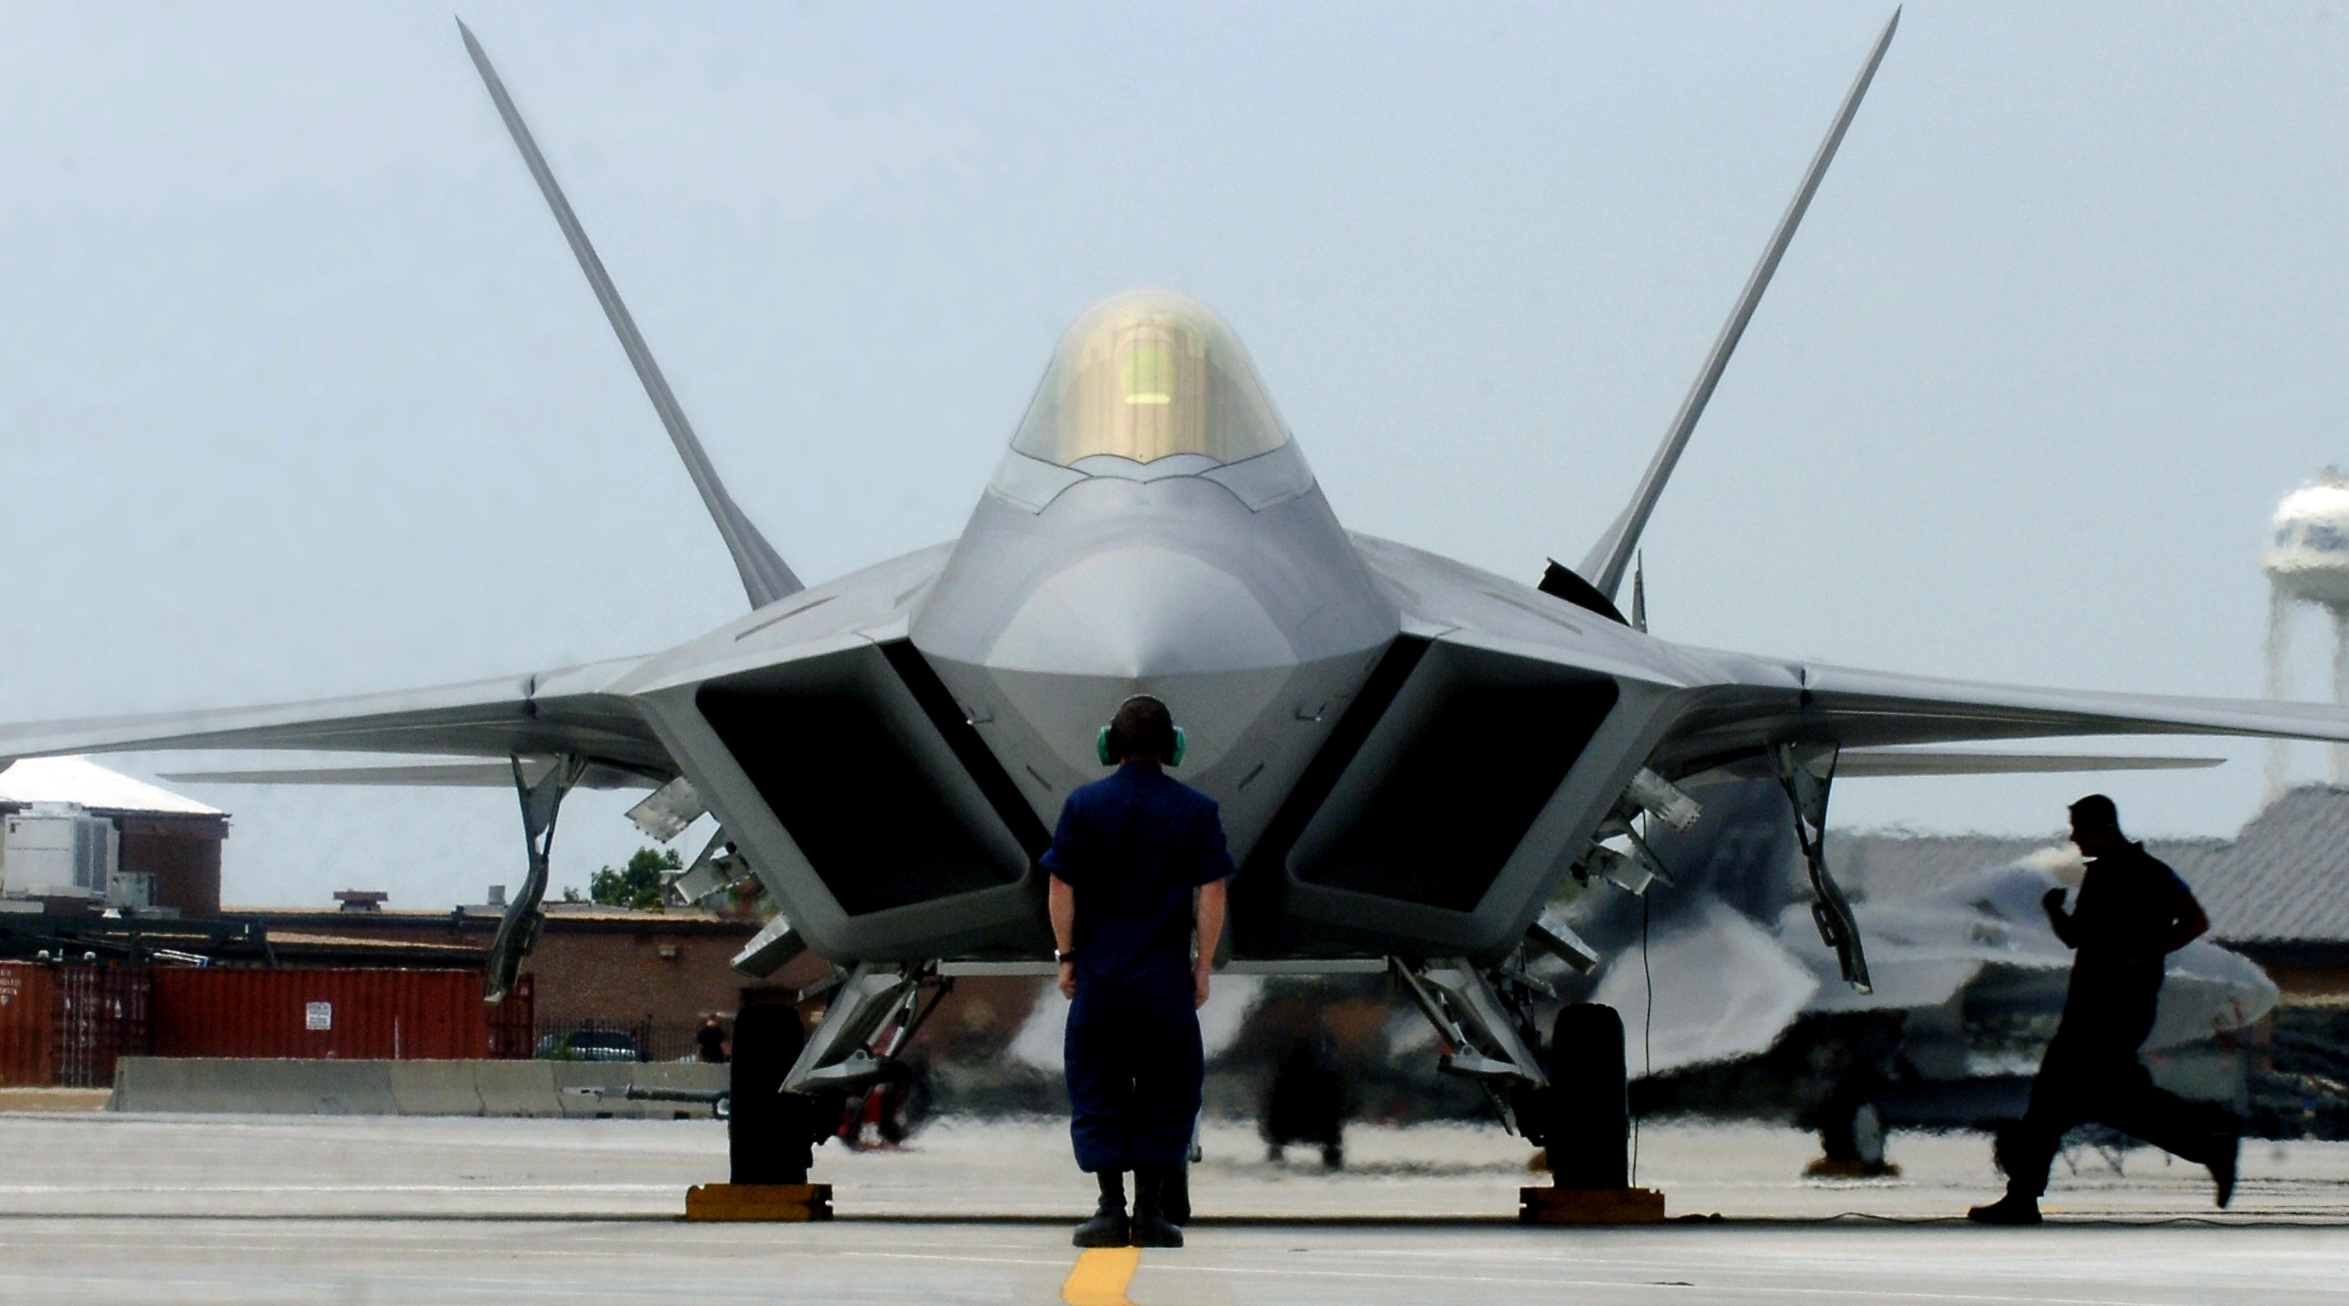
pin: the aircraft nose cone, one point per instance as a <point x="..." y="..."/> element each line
<point x="1137" y="612"/>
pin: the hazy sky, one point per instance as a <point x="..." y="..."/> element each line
<point x="301" y="394"/>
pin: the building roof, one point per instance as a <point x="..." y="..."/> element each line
<point x="80" y="781"/>
<point x="459" y="954"/>
<point x="2283" y="879"/>
<point x="561" y="918"/>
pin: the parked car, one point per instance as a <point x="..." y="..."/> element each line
<point x="589" y="1045"/>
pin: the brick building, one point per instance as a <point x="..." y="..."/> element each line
<point x="165" y="858"/>
<point x="655" y="972"/>
<point x="135" y="870"/>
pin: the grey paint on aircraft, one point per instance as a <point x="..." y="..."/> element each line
<point x="884" y="748"/>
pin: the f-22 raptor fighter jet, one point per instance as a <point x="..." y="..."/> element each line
<point x="1411" y="754"/>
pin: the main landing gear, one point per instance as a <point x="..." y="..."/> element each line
<point x="769" y="1133"/>
<point x="1574" y="1101"/>
<point x="1584" y="1116"/>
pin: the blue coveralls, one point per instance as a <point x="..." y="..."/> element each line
<point x="1133" y="846"/>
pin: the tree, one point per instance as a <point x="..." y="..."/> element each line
<point x="638" y="884"/>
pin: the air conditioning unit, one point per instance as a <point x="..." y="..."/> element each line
<point x="58" y="850"/>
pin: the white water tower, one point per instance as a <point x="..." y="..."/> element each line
<point x="2308" y="562"/>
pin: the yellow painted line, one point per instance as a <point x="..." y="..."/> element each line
<point x="1101" y="1276"/>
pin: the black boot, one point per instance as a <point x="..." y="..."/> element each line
<point x="2014" y="1208"/>
<point x="1108" y="1227"/>
<point x="2222" y="1165"/>
<point x="1151" y="1227"/>
<point x="1174" y="1196"/>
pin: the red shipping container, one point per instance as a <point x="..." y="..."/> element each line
<point x="409" y="1015"/>
<point x="513" y="1021"/>
<point x="101" y="1017"/>
<point x="65" y="1025"/>
<point x="28" y="1011"/>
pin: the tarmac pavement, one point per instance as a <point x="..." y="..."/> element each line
<point x="100" y="1207"/>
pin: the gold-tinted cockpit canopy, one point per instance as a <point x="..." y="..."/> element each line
<point x="1145" y="375"/>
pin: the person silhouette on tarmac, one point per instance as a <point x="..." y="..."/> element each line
<point x="710" y="1040"/>
<point x="1129" y="853"/>
<point x="2131" y="912"/>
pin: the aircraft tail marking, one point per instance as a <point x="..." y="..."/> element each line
<point x="765" y="577"/>
<point x="1612" y="554"/>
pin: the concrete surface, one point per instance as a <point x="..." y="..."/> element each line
<point x="54" y="1099"/>
<point x="280" y="1086"/>
<point x="255" y="1210"/>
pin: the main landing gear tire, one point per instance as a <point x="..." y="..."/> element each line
<point x="1851" y="1134"/>
<point x="767" y="1128"/>
<point x="1586" y="1111"/>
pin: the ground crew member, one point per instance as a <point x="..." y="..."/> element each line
<point x="1129" y="853"/>
<point x="2132" y="911"/>
<point x="710" y="1040"/>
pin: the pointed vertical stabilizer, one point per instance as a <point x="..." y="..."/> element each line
<point x="764" y="576"/>
<point x="1612" y="554"/>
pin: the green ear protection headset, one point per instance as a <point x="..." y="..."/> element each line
<point x="1102" y="750"/>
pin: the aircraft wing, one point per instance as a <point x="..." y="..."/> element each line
<point x="1910" y="761"/>
<point x="1876" y="709"/>
<point x="590" y="711"/>
<point x="486" y="774"/>
<point x="567" y="711"/>
<point x="1732" y="706"/>
<point x="1955" y="761"/>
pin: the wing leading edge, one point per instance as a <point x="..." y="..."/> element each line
<point x="425" y="775"/>
<point x="1875" y="709"/>
<point x="1914" y="762"/>
<point x="571" y="711"/>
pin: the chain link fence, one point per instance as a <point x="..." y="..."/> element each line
<point x="607" y="1038"/>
